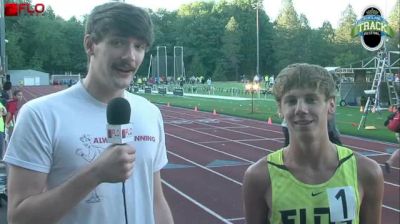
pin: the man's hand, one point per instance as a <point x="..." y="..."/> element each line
<point x="115" y="164"/>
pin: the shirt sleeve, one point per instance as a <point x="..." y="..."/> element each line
<point x="12" y="107"/>
<point x="30" y="146"/>
<point x="161" y="155"/>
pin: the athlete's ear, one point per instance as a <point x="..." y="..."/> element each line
<point x="332" y="105"/>
<point x="88" y="43"/>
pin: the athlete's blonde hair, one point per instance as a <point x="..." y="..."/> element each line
<point x="305" y="76"/>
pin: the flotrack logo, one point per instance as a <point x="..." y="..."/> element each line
<point x="18" y="9"/>
<point x="372" y="29"/>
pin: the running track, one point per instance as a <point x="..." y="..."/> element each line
<point x="208" y="155"/>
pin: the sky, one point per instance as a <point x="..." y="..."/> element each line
<point x="316" y="11"/>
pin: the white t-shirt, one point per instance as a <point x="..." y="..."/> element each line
<point x="58" y="134"/>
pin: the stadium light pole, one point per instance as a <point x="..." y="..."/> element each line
<point x="252" y="88"/>
<point x="257" y="5"/>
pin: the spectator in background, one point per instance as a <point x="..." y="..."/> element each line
<point x="181" y="81"/>
<point x="285" y="132"/>
<point x="266" y="81"/>
<point x="139" y="82"/>
<point x="6" y="92"/>
<point x="3" y="112"/>
<point x="256" y="79"/>
<point x="271" y="81"/>
<point x="209" y="83"/>
<point x="393" y="124"/>
<point x="393" y="159"/>
<point x="12" y="111"/>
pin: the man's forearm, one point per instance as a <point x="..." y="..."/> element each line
<point x="50" y="206"/>
<point x="162" y="213"/>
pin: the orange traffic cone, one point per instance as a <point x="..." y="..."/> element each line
<point x="168" y="104"/>
<point x="269" y="120"/>
<point x="195" y="108"/>
<point x="361" y="109"/>
<point x="214" y="112"/>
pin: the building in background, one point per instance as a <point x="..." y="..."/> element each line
<point x="29" y="77"/>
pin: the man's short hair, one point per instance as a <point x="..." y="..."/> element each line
<point x="304" y="76"/>
<point x="120" y="19"/>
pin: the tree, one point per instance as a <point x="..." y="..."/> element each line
<point x="287" y="17"/>
<point x="15" y="54"/>
<point x="394" y="23"/>
<point x="394" y="17"/>
<point x="346" y="24"/>
<point x="197" y="67"/>
<point x="288" y="43"/>
<point x="349" y="49"/>
<point x="231" y="48"/>
<point x="215" y="43"/>
<point x="322" y="45"/>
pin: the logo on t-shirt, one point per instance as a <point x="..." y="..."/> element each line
<point x="316" y="193"/>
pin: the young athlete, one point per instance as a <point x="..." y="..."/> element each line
<point x="312" y="180"/>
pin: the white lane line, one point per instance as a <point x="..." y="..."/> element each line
<point x="210" y="148"/>
<point x="391" y="208"/>
<point x="236" y="219"/>
<point x="376" y="153"/>
<point x="206" y="168"/>
<point x="392" y="184"/>
<point x="205" y="208"/>
<point x="237" y="141"/>
<point x="213" y="149"/>
<point x="277" y="125"/>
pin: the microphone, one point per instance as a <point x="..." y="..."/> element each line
<point x="119" y="128"/>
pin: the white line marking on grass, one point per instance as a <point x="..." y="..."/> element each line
<point x="205" y="208"/>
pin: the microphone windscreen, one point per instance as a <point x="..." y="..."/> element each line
<point x="118" y="111"/>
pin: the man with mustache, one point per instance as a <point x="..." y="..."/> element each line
<point x="62" y="170"/>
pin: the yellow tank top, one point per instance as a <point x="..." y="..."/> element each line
<point x="333" y="202"/>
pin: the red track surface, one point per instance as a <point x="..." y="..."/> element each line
<point x="208" y="155"/>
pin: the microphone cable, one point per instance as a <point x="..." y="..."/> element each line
<point x="124" y="197"/>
